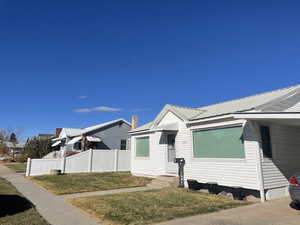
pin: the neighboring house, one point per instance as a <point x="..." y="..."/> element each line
<point x="14" y="149"/>
<point x="251" y="142"/>
<point x="106" y="136"/>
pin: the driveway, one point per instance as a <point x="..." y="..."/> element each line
<point x="276" y="212"/>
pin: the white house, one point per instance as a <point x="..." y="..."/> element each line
<point x="251" y="142"/>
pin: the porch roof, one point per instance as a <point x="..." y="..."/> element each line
<point x="284" y="118"/>
<point x="167" y="127"/>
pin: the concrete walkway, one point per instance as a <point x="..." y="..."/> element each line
<point x="108" y="192"/>
<point x="51" y="207"/>
<point x="276" y="212"/>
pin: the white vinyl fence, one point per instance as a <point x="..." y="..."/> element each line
<point x="88" y="161"/>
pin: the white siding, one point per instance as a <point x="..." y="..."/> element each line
<point x="170" y="118"/>
<point x="286" y="156"/>
<point x="227" y="172"/>
<point x="154" y="165"/>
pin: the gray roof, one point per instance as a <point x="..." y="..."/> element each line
<point x="146" y="126"/>
<point x="74" y="132"/>
<point x="96" y="127"/>
<point x="256" y="102"/>
<point x="278" y="100"/>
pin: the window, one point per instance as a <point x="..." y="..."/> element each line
<point x="123" y="144"/>
<point x="142" y="147"/>
<point x="77" y="146"/>
<point x="219" y="143"/>
<point x="266" y="141"/>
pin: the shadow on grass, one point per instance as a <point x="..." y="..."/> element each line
<point x="13" y="204"/>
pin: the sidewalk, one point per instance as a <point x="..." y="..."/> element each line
<point x="108" y="192"/>
<point x="53" y="208"/>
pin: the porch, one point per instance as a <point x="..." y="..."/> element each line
<point x="279" y="146"/>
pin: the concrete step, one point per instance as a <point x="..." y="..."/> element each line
<point x="164" y="181"/>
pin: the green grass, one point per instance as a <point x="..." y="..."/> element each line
<point x="148" y="207"/>
<point x="17" y="167"/>
<point x="15" y="209"/>
<point x="85" y="182"/>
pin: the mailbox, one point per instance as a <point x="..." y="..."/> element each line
<point x="180" y="162"/>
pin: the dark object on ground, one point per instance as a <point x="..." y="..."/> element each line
<point x="13" y="204"/>
<point x="295" y="205"/>
<point x="237" y="193"/>
<point x="194" y="185"/>
<point x="212" y="187"/>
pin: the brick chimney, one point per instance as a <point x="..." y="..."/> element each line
<point x="134" y="121"/>
<point x="57" y="131"/>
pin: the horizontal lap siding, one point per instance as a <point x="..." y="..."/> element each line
<point x="286" y="156"/>
<point x="154" y="164"/>
<point x="223" y="171"/>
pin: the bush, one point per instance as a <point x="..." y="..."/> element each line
<point x="37" y="148"/>
<point x="21" y="159"/>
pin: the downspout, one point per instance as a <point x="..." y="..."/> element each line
<point x="259" y="164"/>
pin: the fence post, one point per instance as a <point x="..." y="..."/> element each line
<point x="116" y="159"/>
<point x="63" y="164"/>
<point x="28" y="167"/>
<point x="90" y="163"/>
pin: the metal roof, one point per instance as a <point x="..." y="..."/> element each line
<point x="277" y="100"/>
<point x="243" y="104"/>
<point x="96" y="127"/>
<point x="73" y="132"/>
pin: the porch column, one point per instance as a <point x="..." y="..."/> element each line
<point x="255" y="128"/>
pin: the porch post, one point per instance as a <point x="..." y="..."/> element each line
<point x="254" y="126"/>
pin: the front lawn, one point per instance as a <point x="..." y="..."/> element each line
<point x="85" y="182"/>
<point x="147" y="207"/>
<point x="17" y="167"/>
<point x="15" y="209"/>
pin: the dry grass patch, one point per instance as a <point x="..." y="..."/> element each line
<point x="147" y="207"/>
<point x="86" y="182"/>
<point x="17" y="167"/>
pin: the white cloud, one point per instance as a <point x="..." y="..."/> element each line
<point x="83" y="110"/>
<point x="107" y="109"/>
<point x="98" y="108"/>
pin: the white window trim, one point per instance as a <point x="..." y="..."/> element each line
<point x="142" y="157"/>
<point x="218" y="126"/>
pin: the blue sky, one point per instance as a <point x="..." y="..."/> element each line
<point x="79" y="63"/>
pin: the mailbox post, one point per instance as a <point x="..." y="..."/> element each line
<point x="180" y="162"/>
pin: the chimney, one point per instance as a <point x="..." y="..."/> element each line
<point x="57" y="131"/>
<point x="134" y="121"/>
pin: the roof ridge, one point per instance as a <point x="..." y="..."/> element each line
<point x="184" y="107"/>
<point x="267" y="92"/>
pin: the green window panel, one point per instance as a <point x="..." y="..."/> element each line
<point x="219" y="143"/>
<point x="142" y="147"/>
